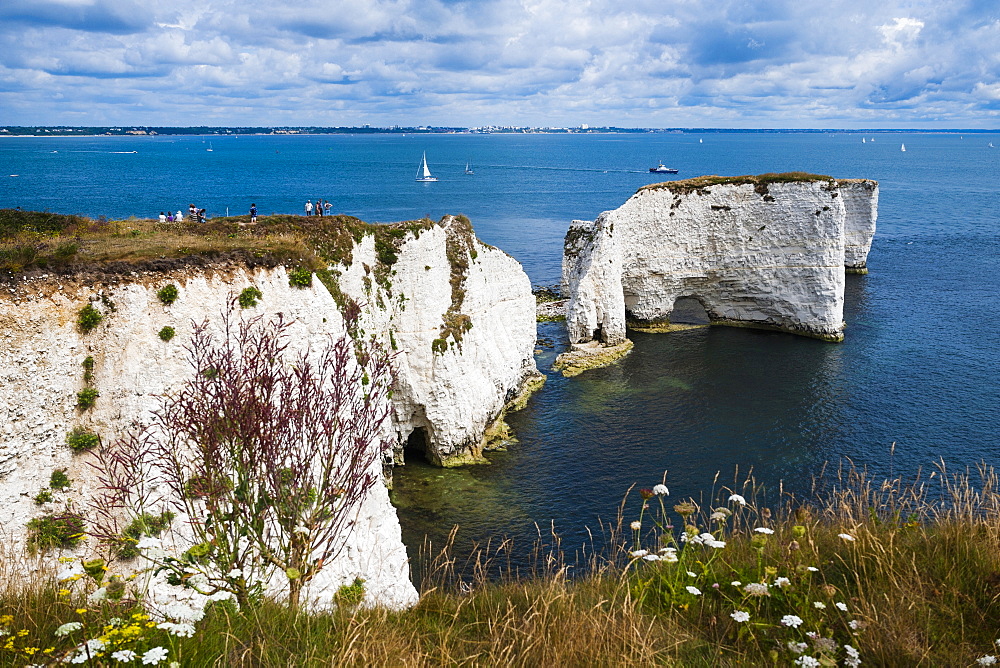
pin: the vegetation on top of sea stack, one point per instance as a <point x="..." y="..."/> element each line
<point x="67" y="245"/>
<point x="759" y="181"/>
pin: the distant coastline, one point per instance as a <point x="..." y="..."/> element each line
<point x="152" y="131"/>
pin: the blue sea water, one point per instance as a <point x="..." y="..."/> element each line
<point x="920" y="366"/>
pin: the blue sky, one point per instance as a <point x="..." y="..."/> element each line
<point x="659" y="63"/>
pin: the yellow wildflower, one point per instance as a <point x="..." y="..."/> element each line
<point x="80" y="611"/>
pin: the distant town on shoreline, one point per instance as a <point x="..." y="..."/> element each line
<point x="148" y="130"/>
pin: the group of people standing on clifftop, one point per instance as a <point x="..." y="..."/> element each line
<point x="321" y="207"/>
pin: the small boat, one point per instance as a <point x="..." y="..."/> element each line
<point x="700" y="141"/>
<point x="660" y="169"/>
<point x="991" y="145"/>
<point x="862" y="140"/>
<point x="210" y="148"/>
<point x="468" y="169"/>
<point x="424" y="174"/>
<point x="902" y="148"/>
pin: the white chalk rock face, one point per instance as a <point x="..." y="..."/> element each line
<point x="754" y="252"/>
<point x="861" y="210"/>
<point x="460" y="315"/>
<point x="41" y="351"/>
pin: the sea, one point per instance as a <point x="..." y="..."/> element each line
<point x="914" y="386"/>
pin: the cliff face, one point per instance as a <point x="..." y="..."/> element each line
<point x="455" y="393"/>
<point x="756" y="252"/>
<point x="463" y="322"/>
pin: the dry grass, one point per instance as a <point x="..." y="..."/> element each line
<point x="34" y="241"/>
<point x="919" y="585"/>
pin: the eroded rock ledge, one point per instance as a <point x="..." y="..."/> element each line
<point x="767" y="251"/>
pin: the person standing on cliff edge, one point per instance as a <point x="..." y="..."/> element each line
<point x="253" y="214"/>
<point x="309" y="207"/>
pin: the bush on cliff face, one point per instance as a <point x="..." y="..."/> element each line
<point x="52" y="531"/>
<point x="302" y="277"/>
<point x="268" y="456"/>
<point x="89" y="318"/>
<point x="81" y="440"/>
<point x="168" y="294"/>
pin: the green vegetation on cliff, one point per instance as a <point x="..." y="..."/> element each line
<point x="36" y="241"/>
<point x="760" y="182"/>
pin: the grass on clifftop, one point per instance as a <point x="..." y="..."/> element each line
<point x="759" y="181"/>
<point x="876" y="573"/>
<point x="31" y="240"/>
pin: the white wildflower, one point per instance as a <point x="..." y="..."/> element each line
<point x="124" y="655"/>
<point x="661" y="490"/>
<point x="736" y="498"/>
<point x="693" y="590"/>
<point x="854" y="624"/>
<point x="764" y="530"/>
<point x="807" y="661"/>
<point x="669" y="557"/>
<point x="692" y="574"/>
<point x="636" y="525"/>
<point x="68" y="627"/>
<point x="736" y="583"/>
<point x="638" y="554"/>
<point x="668" y="548"/>
<point x="756" y="589"/>
<point x="154" y="656"/>
<point x="652" y="557"/>
<point x="182" y="630"/>
<point x="853" y="659"/>
<point x="812" y="569"/>
<point x="819" y="605"/>
<point x="987" y="660"/>
<point x="718" y="517"/>
<point x="182" y="613"/>
<point x="797" y="647"/>
<point x="846" y="536"/>
<point x="717" y="544"/>
<point x="782" y="582"/>
<point x="793" y="621"/>
<point x="841" y="606"/>
<point x="87" y="650"/>
<point x="740" y="616"/>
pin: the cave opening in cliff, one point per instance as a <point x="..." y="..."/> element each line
<point x="689" y="311"/>
<point x="417" y="446"/>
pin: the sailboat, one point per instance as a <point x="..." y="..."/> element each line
<point x="902" y="148"/>
<point x="862" y="140"/>
<point x="424" y="174"/>
<point x="700" y="141"/>
<point x="468" y="168"/>
<point x="209" y="149"/>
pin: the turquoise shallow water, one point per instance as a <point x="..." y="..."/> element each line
<point x="920" y="366"/>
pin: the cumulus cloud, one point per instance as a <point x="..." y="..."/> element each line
<point x="757" y="63"/>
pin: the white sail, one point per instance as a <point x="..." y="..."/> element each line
<point x="423" y="173"/>
<point x="902" y="147"/>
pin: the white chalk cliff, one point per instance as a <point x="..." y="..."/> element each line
<point x="454" y="390"/>
<point x="766" y="252"/>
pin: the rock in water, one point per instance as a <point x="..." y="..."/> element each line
<point x="765" y="251"/>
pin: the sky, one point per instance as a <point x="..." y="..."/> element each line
<point x="468" y="63"/>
